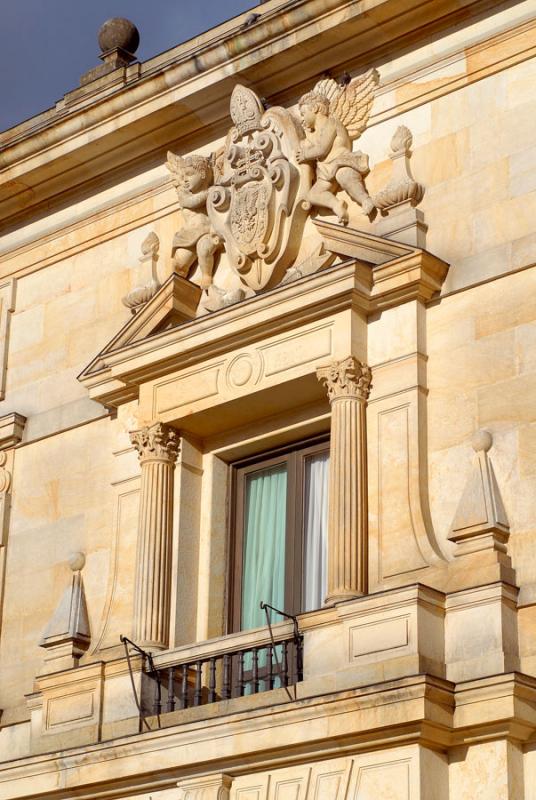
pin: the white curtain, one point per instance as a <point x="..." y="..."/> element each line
<point x="316" y="530"/>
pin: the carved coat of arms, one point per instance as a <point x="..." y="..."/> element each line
<point x="258" y="202"/>
<point x="247" y="205"/>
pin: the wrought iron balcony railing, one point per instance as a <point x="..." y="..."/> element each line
<point x="245" y="663"/>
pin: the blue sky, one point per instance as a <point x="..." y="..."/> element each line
<point x="45" y="45"/>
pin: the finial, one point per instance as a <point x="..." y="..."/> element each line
<point x="77" y="561"/>
<point x="119" y="34"/>
<point x="481" y="441"/>
<point x="118" y="40"/>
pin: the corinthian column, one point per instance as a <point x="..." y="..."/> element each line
<point x="157" y="446"/>
<point x="348" y="385"/>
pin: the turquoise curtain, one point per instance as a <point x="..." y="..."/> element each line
<point x="263" y="576"/>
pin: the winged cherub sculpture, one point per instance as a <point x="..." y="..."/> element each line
<point x="332" y="115"/>
<point x="196" y="241"/>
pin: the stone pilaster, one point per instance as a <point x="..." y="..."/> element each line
<point x="157" y="446"/>
<point x="348" y="385"/>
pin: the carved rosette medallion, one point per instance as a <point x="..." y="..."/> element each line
<point x="156" y="441"/>
<point x="347" y="378"/>
<point x="242" y="370"/>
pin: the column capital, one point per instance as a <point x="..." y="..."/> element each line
<point x="346" y="378"/>
<point x="156" y="441"/>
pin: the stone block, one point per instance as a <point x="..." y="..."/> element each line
<point x="380" y="637"/>
<point x="487" y="771"/>
<point x="481" y="632"/>
<point x="27" y="329"/>
<point x="527" y="450"/>
<point x="66" y="709"/>
<point x="509" y="402"/>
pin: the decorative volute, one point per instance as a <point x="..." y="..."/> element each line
<point x="67" y="635"/>
<point x="480" y="522"/>
<point x="141" y="295"/>
<point x="205" y="787"/>
<point x="400" y="220"/>
<point x="402" y="187"/>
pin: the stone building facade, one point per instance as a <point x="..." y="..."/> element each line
<point x="268" y="315"/>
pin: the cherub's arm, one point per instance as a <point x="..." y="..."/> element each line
<point x="189" y="200"/>
<point x="320" y="143"/>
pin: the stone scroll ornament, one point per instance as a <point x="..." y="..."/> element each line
<point x="402" y="187"/>
<point x="141" y="295"/>
<point x="253" y="197"/>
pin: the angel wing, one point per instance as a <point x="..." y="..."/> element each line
<point x="351" y="104"/>
<point x="174" y="163"/>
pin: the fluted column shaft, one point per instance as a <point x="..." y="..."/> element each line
<point x="348" y="385"/>
<point x="157" y="446"/>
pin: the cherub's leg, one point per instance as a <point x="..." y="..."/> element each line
<point x="321" y="194"/>
<point x="206" y="247"/>
<point x="352" y="182"/>
<point x="182" y="261"/>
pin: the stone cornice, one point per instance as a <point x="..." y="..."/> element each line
<point x="116" y="373"/>
<point x="188" y="88"/>
<point x="429" y="710"/>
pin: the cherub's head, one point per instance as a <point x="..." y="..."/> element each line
<point x="312" y="104"/>
<point x="193" y="173"/>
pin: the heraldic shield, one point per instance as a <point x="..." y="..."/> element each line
<point x="258" y="203"/>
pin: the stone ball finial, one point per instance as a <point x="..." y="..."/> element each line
<point x="119" y="33"/>
<point x="481" y="441"/>
<point x="77" y="561"/>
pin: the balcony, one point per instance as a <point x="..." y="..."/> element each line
<point x="377" y="643"/>
<point x="240" y="664"/>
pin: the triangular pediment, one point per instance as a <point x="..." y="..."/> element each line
<point x="176" y="301"/>
<point x="365" y="247"/>
<point x="375" y="273"/>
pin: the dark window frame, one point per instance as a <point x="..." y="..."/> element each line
<point x="294" y="456"/>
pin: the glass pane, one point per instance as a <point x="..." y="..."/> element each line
<point x="316" y="530"/>
<point x="263" y="576"/>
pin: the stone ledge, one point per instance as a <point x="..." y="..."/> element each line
<point x="174" y="89"/>
<point x="416" y="709"/>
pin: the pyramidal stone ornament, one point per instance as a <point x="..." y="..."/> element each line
<point x="480" y="522"/>
<point x="67" y="635"/>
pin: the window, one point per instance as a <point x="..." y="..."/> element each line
<point x="279" y="532"/>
